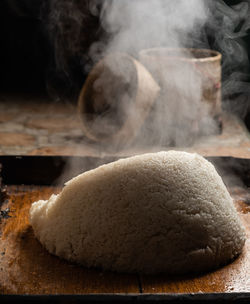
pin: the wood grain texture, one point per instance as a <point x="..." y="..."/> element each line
<point x="234" y="277"/>
<point x="27" y="268"/>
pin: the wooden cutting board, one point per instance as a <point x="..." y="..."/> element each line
<point x="27" y="268"/>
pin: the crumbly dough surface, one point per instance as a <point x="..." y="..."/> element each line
<point x="158" y="212"/>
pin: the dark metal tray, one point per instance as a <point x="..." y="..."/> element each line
<point x="46" y="170"/>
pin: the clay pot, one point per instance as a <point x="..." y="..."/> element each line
<point x="190" y="82"/>
<point x="167" y="63"/>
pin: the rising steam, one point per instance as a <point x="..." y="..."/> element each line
<point x="83" y="32"/>
<point x="227" y="28"/>
<point x="139" y="25"/>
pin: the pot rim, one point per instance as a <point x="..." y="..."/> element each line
<point x="214" y="55"/>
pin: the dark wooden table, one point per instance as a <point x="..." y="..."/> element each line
<point x="26" y="268"/>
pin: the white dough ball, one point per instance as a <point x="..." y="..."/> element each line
<point x="158" y="212"/>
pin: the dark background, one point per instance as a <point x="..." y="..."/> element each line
<point x="27" y="54"/>
<point x="24" y="49"/>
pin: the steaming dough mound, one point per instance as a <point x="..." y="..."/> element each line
<point x="160" y="212"/>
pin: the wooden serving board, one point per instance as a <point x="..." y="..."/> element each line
<point x="27" y="268"/>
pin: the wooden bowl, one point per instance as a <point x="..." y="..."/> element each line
<point x="115" y="99"/>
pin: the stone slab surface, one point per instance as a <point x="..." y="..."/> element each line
<point x="38" y="126"/>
